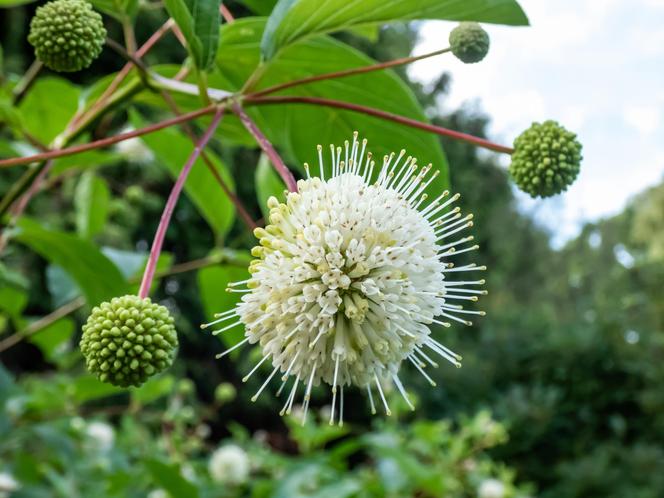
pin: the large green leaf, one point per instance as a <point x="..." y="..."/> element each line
<point x="169" y="477"/>
<point x="293" y="20"/>
<point x="48" y="107"/>
<point x="268" y="184"/>
<point x="212" y="283"/>
<point x="297" y="129"/>
<point x="98" y="278"/>
<point x="172" y="148"/>
<point x="91" y="201"/>
<point x="199" y="22"/>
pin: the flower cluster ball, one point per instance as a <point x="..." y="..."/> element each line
<point x="350" y="274"/>
<point x="469" y="42"/>
<point x="546" y="159"/>
<point x="127" y="340"/>
<point x="229" y="464"/>
<point x="67" y="34"/>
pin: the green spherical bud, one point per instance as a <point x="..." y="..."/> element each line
<point x="469" y="42"/>
<point x="224" y="392"/>
<point x="545" y="160"/>
<point x="127" y="340"/>
<point x="67" y="35"/>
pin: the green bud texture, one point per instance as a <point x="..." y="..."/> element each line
<point x="67" y="35"/>
<point x="546" y="159"/>
<point x="469" y="42"/>
<point x="127" y="340"/>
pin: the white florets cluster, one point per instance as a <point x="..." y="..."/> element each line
<point x="491" y="488"/>
<point x="229" y="464"/>
<point x="101" y="435"/>
<point x="350" y="273"/>
<point x="8" y="484"/>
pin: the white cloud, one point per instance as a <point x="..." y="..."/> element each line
<point x="643" y="119"/>
<point x="595" y="67"/>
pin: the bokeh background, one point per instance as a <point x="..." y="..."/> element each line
<point x="561" y="392"/>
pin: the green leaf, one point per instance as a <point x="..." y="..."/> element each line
<point x="51" y="339"/>
<point x="91" y="200"/>
<point x="260" y="7"/>
<point x="168" y="476"/>
<point x="12" y="300"/>
<point x="294" y="20"/>
<point x="212" y="283"/>
<point x="87" y="387"/>
<point x="199" y="22"/>
<point x="48" y="107"/>
<point x="172" y="148"/>
<point x="98" y="278"/>
<point x="13" y="3"/>
<point x="153" y="389"/>
<point x="268" y="184"/>
<point x="297" y="129"/>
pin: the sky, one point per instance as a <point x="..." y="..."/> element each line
<point x="595" y="66"/>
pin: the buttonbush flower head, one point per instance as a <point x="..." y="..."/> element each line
<point x="546" y="159"/>
<point x="469" y="42"/>
<point x="229" y="464"/>
<point x="350" y="273"/>
<point x="127" y="340"/>
<point x="67" y="35"/>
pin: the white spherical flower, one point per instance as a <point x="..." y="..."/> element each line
<point x="7" y="484"/>
<point x="101" y="434"/>
<point x="350" y="273"/>
<point x="491" y="488"/>
<point x="158" y="493"/>
<point x="229" y="464"/>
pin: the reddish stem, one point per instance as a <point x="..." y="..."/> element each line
<point x="439" y="130"/>
<point x="267" y="148"/>
<point x="122" y="74"/>
<point x="244" y="214"/>
<point x="226" y="14"/>
<point x="105" y="142"/>
<point x="158" y="241"/>
<point x="346" y="72"/>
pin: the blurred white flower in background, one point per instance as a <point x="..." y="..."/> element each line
<point x="101" y="434"/>
<point x="7" y="484"/>
<point x="491" y="488"/>
<point x="229" y="464"/>
<point x="134" y="149"/>
<point x="157" y="493"/>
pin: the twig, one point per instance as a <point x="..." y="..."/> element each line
<point x="267" y="147"/>
<point x="347" y="72"/>
<point x="242" y="211"/>
<point x="438" y="130"/>
<point x="21" y="89"/>
<point x="105" y="142"/>
<point x="158" y="241"/>
<point x="41" y="324"/>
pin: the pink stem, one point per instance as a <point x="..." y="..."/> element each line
<point x="158" y="241"/>
<point x="267" y="147"/>
<point x="439" y="130"/>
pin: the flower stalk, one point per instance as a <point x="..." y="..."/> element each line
<point x="267" y="147"/>
<point x="158" y="241"/>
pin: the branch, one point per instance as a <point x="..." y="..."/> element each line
<point x="21" y="89"/>
<point x="438" y="130"/>
<point x="267" y="147"/>
<point x="347" y="72"/>
<point x="105" y="142"/>
<point x="170" y="204"/>
<point x="242" y="211"/>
